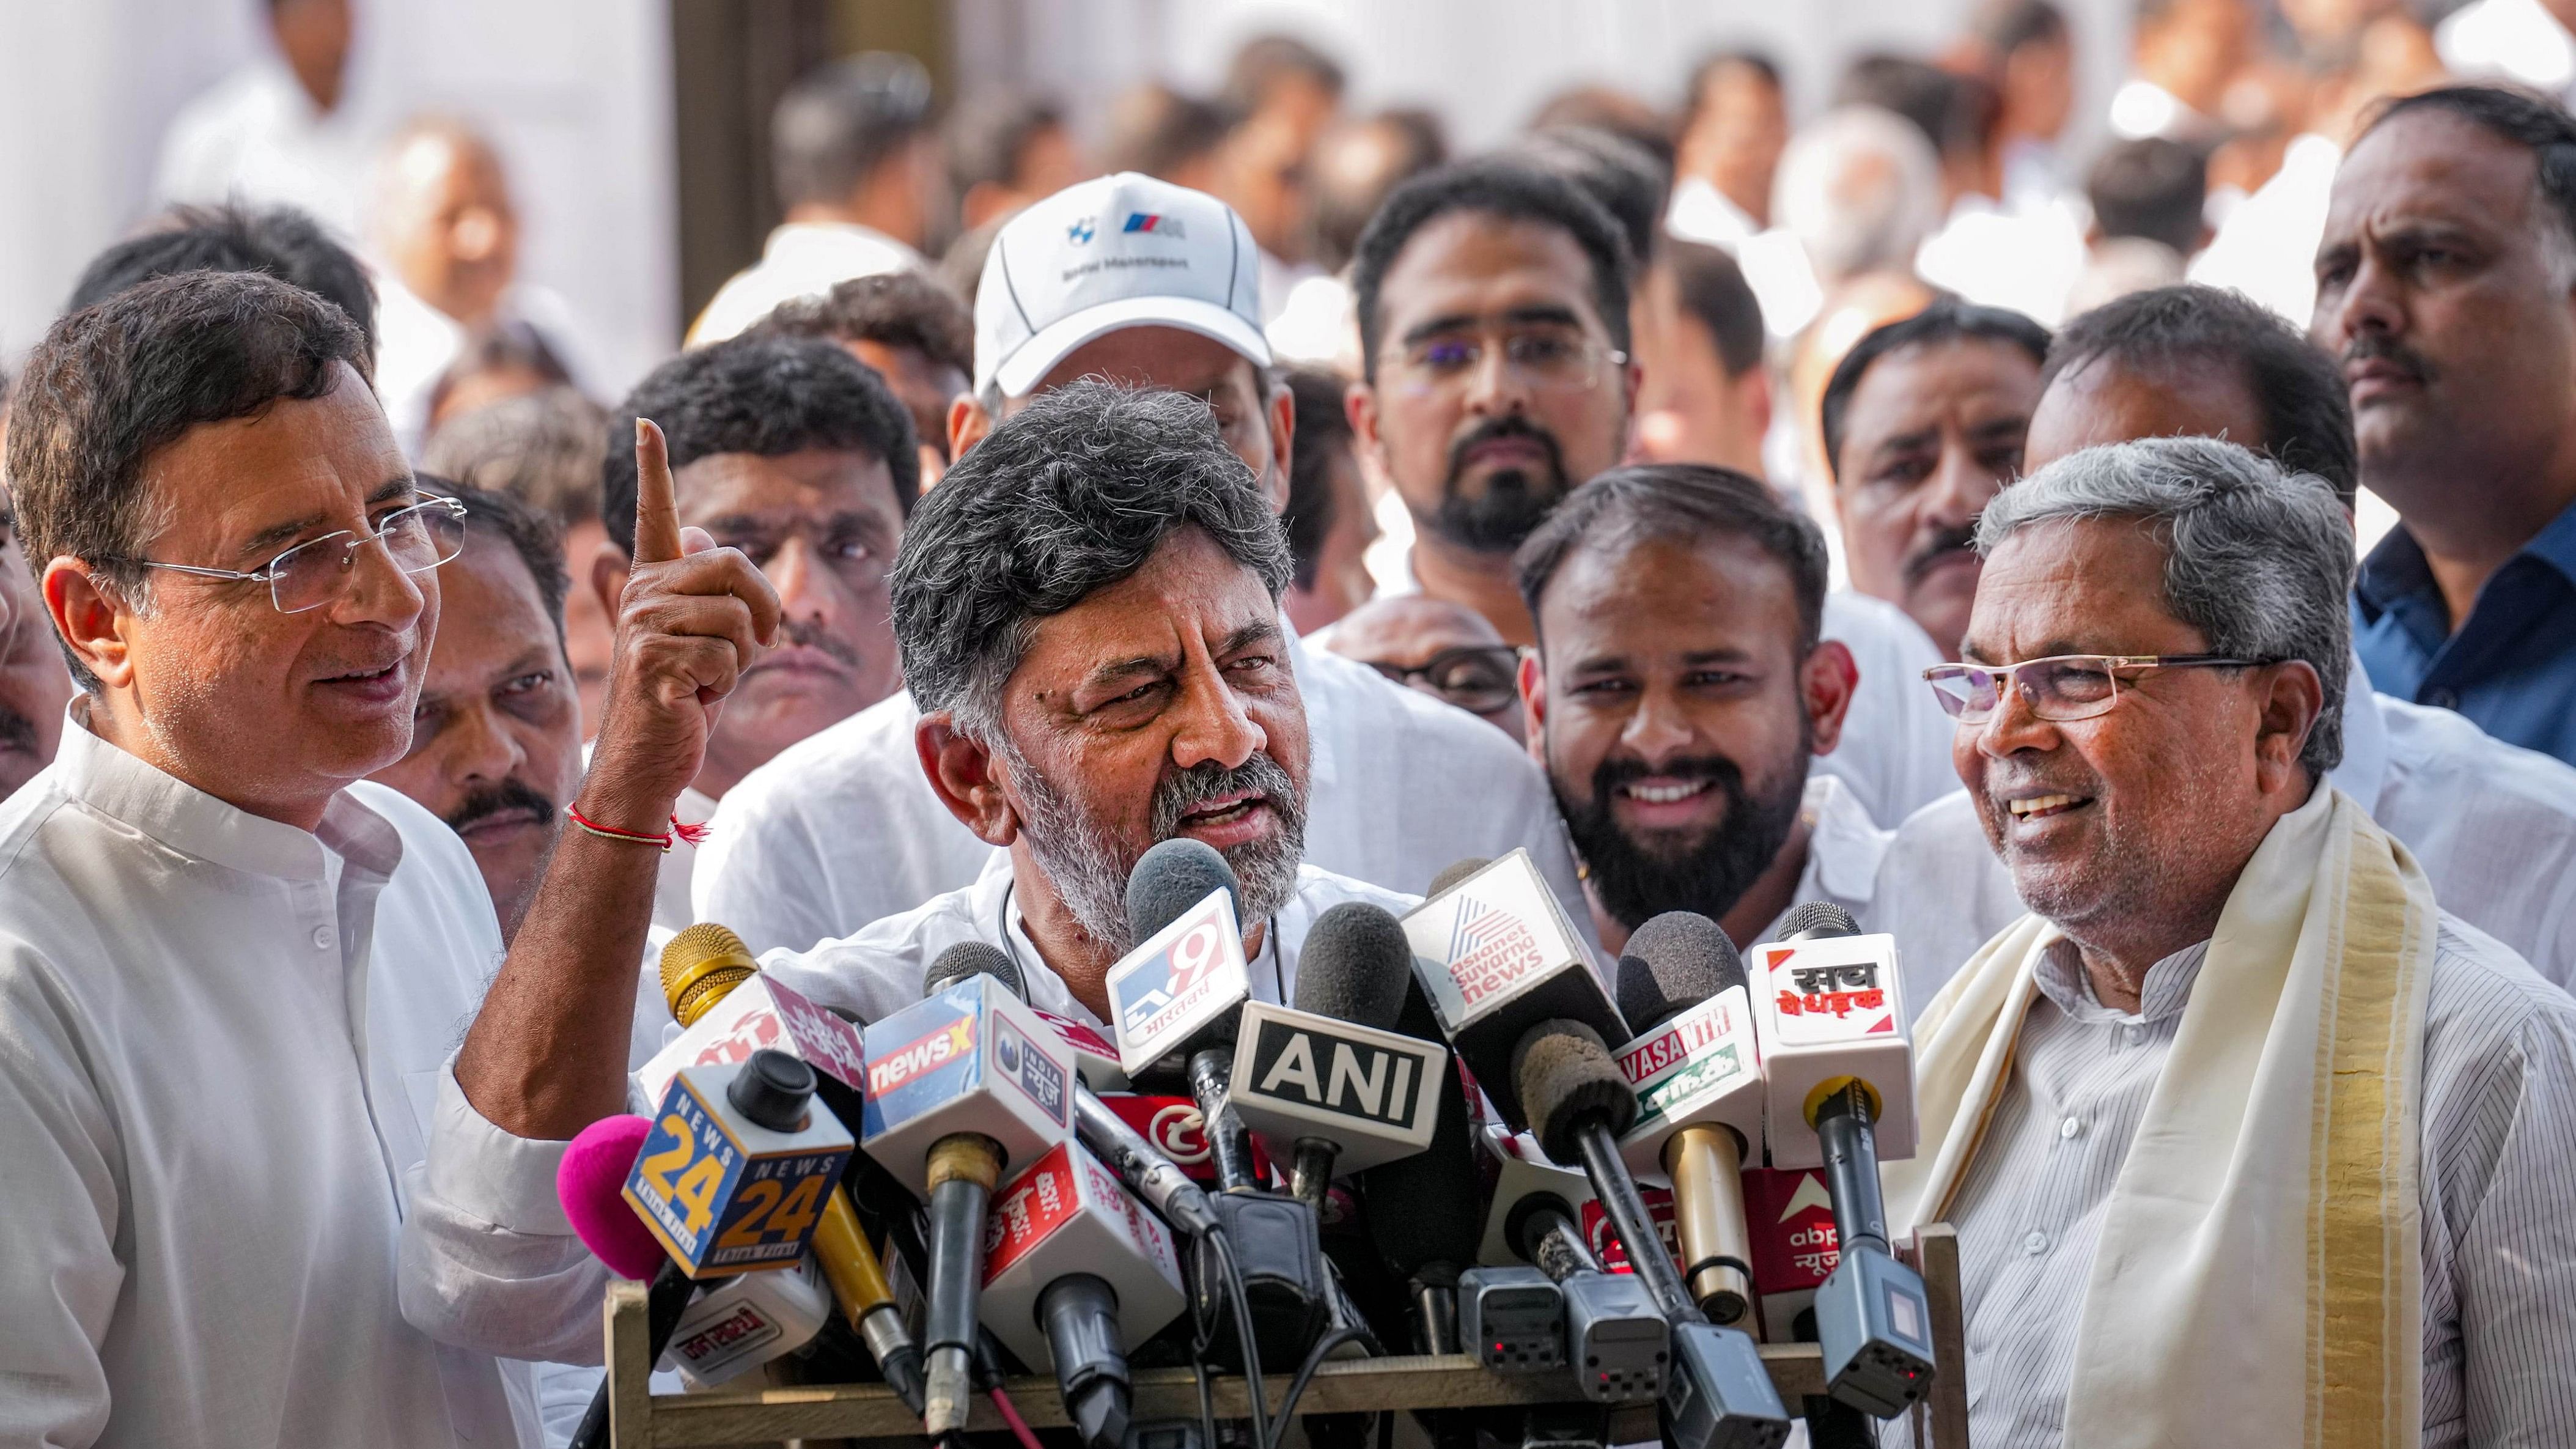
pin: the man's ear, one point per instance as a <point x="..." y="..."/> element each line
<point x="1754" y="389"/>
<point x="88" y="618"/>
<point x="1533" y="681"/>
<point x="966" y="778"/>
<point x="967" y="425"/>
<point x="1283" y="443"/>
<point x="2293" y="703"/>
<point x="1359" y="404"/>
<point x="1825" y="685"/>
<point x="609" y="567"/>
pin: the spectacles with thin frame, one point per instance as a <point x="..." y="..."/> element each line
<point x="2061" y="688"/>
<point x="1542" y="356"/>
<point x="316" y="572"/>
<point x="1478" y="678"/>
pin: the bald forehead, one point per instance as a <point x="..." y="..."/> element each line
<point x="2437" y="162"/>
<point x="1410" y="630"/>
<point x="2113" y="400"/>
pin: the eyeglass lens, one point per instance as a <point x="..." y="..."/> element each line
<point x="417" y="538"/>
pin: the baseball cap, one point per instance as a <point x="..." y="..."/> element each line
<point x="1116" y="251"/>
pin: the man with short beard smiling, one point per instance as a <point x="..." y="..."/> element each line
<point x="1680" y="691"/>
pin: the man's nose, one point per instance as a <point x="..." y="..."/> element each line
<point x="1213" y="724"/>
<point x="1494" y="386"/>
<point x="1657" y="730"/>
<point x="482" y="749"/>
<point x="2013" y="727"/>
<point x="807" y="587"/>
<point x="1959" y="488"/>
<point x="2371" y="302"/>
<point x="378" y="592"/>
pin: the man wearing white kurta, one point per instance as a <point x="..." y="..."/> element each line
<point x="1151" y="284"/>
<point x="230" y="967"/>
<point x="2237" y="1019"/>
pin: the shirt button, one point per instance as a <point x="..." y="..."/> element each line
<point x="322" y="938"/>
<point x="2442" y="699"/>
<point x="2036" y="1243"/>
<point x="2133" y="1034"/>
<point x="2069" y="1127"/>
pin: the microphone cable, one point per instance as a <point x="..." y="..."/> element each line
<point x="1203" y="1337"/>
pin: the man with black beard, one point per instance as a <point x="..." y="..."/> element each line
<point x="1679" y="692"/>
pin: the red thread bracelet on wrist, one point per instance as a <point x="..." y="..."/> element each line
<point x="692" y="834"/>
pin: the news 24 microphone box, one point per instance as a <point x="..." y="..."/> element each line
<point x="1070" y="1214"/>
<point x="724" y="1194"/>
<point x="973" y="1058"/>
<point x="1827" y="1011"/>
<point x="761" y="1012"/>
<point x="1177" y="981"/>
<point x="1373" y="1094"/>
<point x="1700" y="1067"/>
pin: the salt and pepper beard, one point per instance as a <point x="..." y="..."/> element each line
<point x="1089" y="868"/>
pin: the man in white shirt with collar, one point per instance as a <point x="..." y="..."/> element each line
<point x="281" y="129"/>
<point x="2493" y="825"/>
<point x="1680" y="693"/>
<point x="856" y="156"/>
<point x="1088" y="611"/>
<point x="1151" y="284"/>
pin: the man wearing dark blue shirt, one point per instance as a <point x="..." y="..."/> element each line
<point x="2446" y="286"/>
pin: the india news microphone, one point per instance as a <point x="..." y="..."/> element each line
<point x="1841" y="1078"/>
<point x="725" y="1008"/>
<point x="730" y="1177"/>
<point x="963" y="1089"/>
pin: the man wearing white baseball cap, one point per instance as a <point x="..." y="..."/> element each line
<point x="1154" y="285"/>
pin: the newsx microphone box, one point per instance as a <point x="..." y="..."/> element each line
<point x="1068" y="1213"/>
<point x="760" y="1012"/>
<point x="1702" y="1066"/>
<point x="724" y="1194"/>
<point x="1828" y="1010"/>
<point x="1374" y="1094"/>
<point x="973" y="1058"/>
<point x="1176" y="982"/>
<point x="1496" y="956"/>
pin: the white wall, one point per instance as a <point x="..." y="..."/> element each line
<point x="577" y="92"/>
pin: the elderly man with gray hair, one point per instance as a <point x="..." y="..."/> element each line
<point x="2246" y="1140"/>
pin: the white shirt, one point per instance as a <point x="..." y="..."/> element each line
<point x="1843" y="850"/>
<point x="488" y="1257"/>
<point x="2027" y="261"/>
<point x="1895" y="749"/>
<point x="416" y="344"/>
<point x="843" y="828"/>
<point x="2513" y="40"/>
<point x="2267" y="246"/>
<point x="2492" y="824"/>
<point x="256" y="134"/>
<point x="802" y="259"/>
<point x="2140" y="108"/>
<point x="219" y="1043"/>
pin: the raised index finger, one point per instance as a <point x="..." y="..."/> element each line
<point x="657" y="507"/>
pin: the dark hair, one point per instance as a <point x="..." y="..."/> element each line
<point x="841" y="120"/>
<point x="1266" y="60"/>
<point x="1690" y="501"/>
<point x="2297" y="389"/>
<point x="760" y="395"/>
<point x="2150" y="187"/>
<point x="113" y="384"/>
<point x="1956" y="113"/>
<point x="2007" y="25"/>
<point x="508" y="345"/>
<point x="1157" y="130"/>
<point x="2535" y="123"/>
<point x="1344" y="202"/>
<point x="892" y="309"/>
<point x="1736" y="58"/>
<point x="1947" y="320"/>
<point x="1323" y="434"/>
<point x="1608" y="108"/>
<point x="990" y="134"/>
<point x="279" y="241"/>
<point x="1711" y="287"/>
<point x="543" y="449"/>
<point x="530" y="534"/>
<point x="1627" y="179"/>
<point x="1070" y="494"/>
<point x="1508" y="191"/>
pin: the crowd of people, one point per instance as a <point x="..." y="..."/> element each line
<point x="1884" y="510"/>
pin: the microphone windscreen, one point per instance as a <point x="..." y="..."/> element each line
<point x="1355" y="966"/>
<point x="1457" y="871"/>
<point x="1170" y="878"/>
<point x="590" y="1183"/>
<point x="1430" y="1207"/>
<point x="1817" y="919"/>
<point x="701" y="964"/>
<point x="973" y="958"/>
<point x="1674" y="962"/>
<point x="1566" y="1074"/>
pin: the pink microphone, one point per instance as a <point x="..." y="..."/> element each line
<point x="589" y="1182"/>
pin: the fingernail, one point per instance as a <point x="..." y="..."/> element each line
<point x="639" y="432"/>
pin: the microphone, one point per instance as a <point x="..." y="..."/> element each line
<point x="1455" y="872"/>
<point x="1841" y="1073"/>
<point x="1331" y="1080"/>
<point x="1698" y="1083"/>
<point x="1423" y="1210"/>
<point x="1074" y="1269"/>
<point x="746" y="1321"/>
<point x="960" y="1086"/>
<point x="715" y="991"/>
<point x="589" y="1182"/>
<point x="1615" y="1336"/>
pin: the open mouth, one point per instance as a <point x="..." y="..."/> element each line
<point x="1224" y="810"/>
<point x="370" y="685"/>
<point x="2042" y="807"/>
<point x="1664" y="792"/>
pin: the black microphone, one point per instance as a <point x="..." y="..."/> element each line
<point x="1424" y="1210"/>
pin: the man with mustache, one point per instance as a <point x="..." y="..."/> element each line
<point x="1923" y="422"/>
<point x="796" y="453"/>
<point x="496" y="737"/>
<point x="1680" y="690"/>
<point x="2446" y="283"/>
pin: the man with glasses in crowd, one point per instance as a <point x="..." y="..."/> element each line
<point x="1445" y="650"/>
<point x="2149" y="698"/>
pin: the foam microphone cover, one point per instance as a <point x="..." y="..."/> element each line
<point x="1170" y="878"/>
<point x="1355" y="966"/>
<point x="1567" y="1075"/>
<point x="1674" y="962"/>
<point x="973" y="958"/>
<point x="1457" y="871"/>
<point x="1430" y="1207"/>
<point x="588" y="1183"/>
<point x="1815" y="919"/>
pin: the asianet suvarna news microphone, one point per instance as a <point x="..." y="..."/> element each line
<point x="1841" y="1093"/>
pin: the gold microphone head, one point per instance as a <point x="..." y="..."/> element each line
<point x="699" y="966"/>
